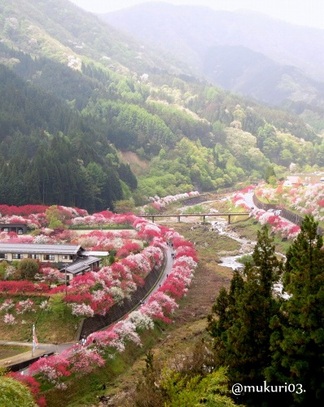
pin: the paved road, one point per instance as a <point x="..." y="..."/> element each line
<point x="166" y="271"/>
<point x="41" y="350"/>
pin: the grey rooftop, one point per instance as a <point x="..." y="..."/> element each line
<point x="39" y="248"/>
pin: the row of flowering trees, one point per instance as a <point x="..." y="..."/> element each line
<point x="279" y="225"/>
<point x="273" y="219"/>
<point x="81" y="359"/>
<point x="95" y="292"/>
<point x="38" y="216"/>
<point x="158" y="203"/>
<point x="306" y="199"/>
<point x="136" y="254"/>
<point x="41" y="216"/>
<point x="139" y="250"/>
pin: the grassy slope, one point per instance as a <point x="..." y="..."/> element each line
<point x="52" y="327"/>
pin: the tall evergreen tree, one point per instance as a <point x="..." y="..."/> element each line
<point x="298" y="338"/>
<point x="224" y="313"/>
<point x="241" y="324"/>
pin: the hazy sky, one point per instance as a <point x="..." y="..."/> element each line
<point x="304" y="12"/>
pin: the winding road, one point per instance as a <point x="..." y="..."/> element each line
<point x="43" y="349"/>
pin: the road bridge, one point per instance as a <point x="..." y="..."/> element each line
<point x="203" y="216"/>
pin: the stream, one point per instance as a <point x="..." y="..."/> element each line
<point x="246" y="248"/>
<point x="220" y="226"/>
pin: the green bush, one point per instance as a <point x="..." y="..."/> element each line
<point x="14" y="393"/>
<point x="28" y="268"/>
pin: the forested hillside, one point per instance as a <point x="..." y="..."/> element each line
<point x="77" y="97"/>
<point x="263" y="58"/>
<point x="192" y="30"/>
<point x="49" y="155"/>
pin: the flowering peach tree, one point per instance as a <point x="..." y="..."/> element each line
<point x="304" y="199"/>
<point x="158" y="203"/>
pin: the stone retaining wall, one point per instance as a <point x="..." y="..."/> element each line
<point x="117" y="311"/>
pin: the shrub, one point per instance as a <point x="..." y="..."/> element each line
<point x="28" y="268"/>
<point x="245" y="259"/>
<point x="3" y="268"/>
<point x="14" y="393"/>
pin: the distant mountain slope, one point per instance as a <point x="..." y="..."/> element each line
<point x="48" y="154"/>
<point x="251" y="73"/>
<point x="270" y="60"/>
<point x="196" y="29"/>
<point x="59" y="29"/>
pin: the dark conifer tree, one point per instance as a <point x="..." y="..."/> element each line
<point x="241" y="329"/>
<point x="298" y="337"/>
<point x="125" y="173"/>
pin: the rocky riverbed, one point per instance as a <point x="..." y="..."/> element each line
<point x="230" y="259"/>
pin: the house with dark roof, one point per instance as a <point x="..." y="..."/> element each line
<point x="70" y="259"/>
<point x="80" y="266"/>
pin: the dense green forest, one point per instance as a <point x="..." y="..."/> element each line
<point x="49" y="155"/>
<point x="67" y="120"/>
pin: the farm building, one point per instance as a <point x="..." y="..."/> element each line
<point x="71" y="259"/>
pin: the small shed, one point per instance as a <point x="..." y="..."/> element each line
<point x="80" y="266"/>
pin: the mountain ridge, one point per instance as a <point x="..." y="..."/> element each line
<point x="43" y="27"/>
<point x="202" y="37"/>
<point x="236" y="28"/>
